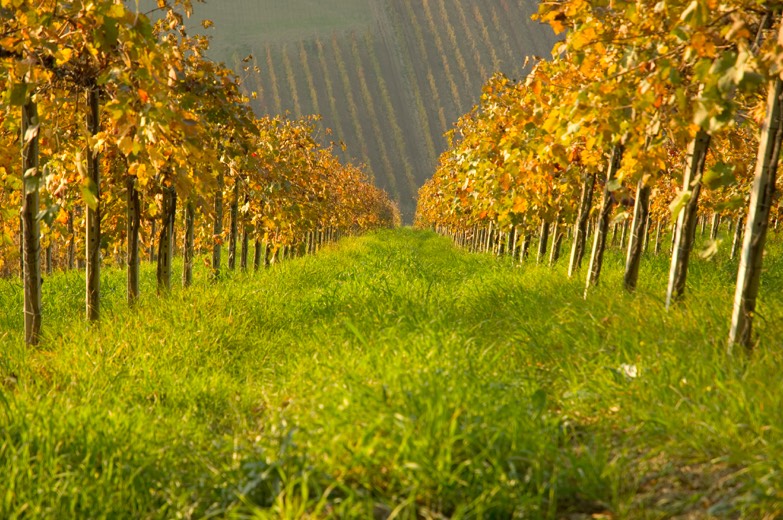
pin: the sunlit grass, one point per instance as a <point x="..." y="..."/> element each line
<point x="394" y="375"/>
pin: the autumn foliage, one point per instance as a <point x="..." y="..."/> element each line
<point x="169" y="118"/>
<point x="125" y="127"/>
<point x="636" y="94"/>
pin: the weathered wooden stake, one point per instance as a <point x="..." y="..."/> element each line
<point x="30" y="240"/>
<point x="602" y="228"/>
<point x="685" y="229"/>
<point x="93" y="241"/>
<point x="761" y="199"/>
<point x="133" y="229"/>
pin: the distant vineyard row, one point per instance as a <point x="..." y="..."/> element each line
<point x="390" y="92"/>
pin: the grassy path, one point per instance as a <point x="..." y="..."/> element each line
<point x="393" y="376"/>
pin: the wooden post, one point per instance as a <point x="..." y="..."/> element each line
<point x="624" y="233"/>
<point x="602" y="228"/>
<point x="188" y="253"/>
<point x="715" y="226"/>
<point x="523" y="255"/>
<point x="490" y="233"/>
<point x="30" y="239"/>
<point x="543" y="239"/>
<point x="735" y="245"/>
<point x="166" y="241"/>
<point x="685" y="229"/>
<point x="257" y="255"/>
<point x="245" y="246"/>
<point x="580" y="226"/>
<point x="641" y="211"/>
<point x="557" y="241"/>
<point x="233" y="231"/>
<point x="217" y="229"/>
<point x="761" y="199"/>
<point x="267" y="255"/>
<point x="133" y="228"/>
<point x="502" y="240"/>
<point x="151" y="247"/>
<point x="71" y="242"/>
<point x="93" y="241"/>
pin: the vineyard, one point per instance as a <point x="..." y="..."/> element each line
<point x="388" y="77"/>
<point x="209" y="306"/>
<point x="601" y="137"/>
<point x="124" y="121"/>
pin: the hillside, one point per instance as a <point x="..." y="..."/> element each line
<point x="389" y="77"/>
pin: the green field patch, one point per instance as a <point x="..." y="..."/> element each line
<point x="393" y="373"/>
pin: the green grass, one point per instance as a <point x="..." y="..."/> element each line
<point x="394" y="375"/>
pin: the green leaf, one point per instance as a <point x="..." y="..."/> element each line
<point x="695" y="14"/>
<point x="719" y="175"/>
<point x="620" y="217"/>
<point x="49" y="214"/>
<point x="723" y="64"/>
<point x="13" y="182"/>
<point x="723" y="119"/>
<point x="89" y="194"/>
<point x="32" y="181"/>
<point x="702" y="69"/>
<point x="702" y="115"/>
<point x="731" y="204"/>
<point x="750" y="81"/>
<point x="143" y="26"/>
<point x="675" y="77"/>
<point x="18" y="95"/>
<point x="107" y="36"/>
<point x="614" y="184"/>
<point x="680" y="34"/>
<point x="31" y="184"/>
<point x="116" y="11"/>
<point x="678" y="203"/>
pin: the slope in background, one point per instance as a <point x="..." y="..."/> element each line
<point x="389" y="77"/>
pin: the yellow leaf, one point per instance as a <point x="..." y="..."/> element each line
<point x="126" y="145"/>
<point x="557" y="26"/>
<point x="583" y="38"/>
<point x="63" y="56"/>
<point x="117" y="11"/>
<point x="139" y="170"/>
<point x="519" y="206"/>
<point x="702" y="45"/>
